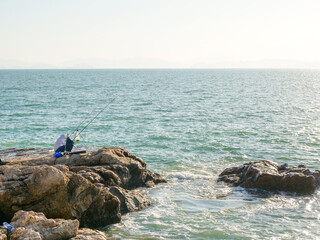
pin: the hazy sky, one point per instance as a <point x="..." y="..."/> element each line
<point x="162" y="33"/>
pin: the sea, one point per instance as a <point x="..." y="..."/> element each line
<point x="188" y="125"/>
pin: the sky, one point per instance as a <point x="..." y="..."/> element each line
<point x="159" y="34"/>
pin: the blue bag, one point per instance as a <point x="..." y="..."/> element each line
<point x="58" y="154"/>
<point x="8" y="226"/>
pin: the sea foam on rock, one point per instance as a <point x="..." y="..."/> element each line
<point x="94" y="187"/>
<point x="268" y="175"/>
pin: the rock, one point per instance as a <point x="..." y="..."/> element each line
<point x="89" y="234"/>
<point x="112" y="166"/>
<point x="270" y="176"/>
<point x="74" y="186"/>
<point x="31" y="223"/>
<point x="130" y="201"/>
<point x="22" y="233"/>
<point x="98" y="174"/>
<point x="58" y="195"/>
<point x="3" y="233"/>
<point x="35" y="226"/>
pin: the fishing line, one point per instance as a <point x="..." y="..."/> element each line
<point x="96" y="115"/>
<point x="77" y="132"/>
<point x="83" y="121"/>
<point x="160" y="107"/>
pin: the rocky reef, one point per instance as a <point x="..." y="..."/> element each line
<point x="270" y="176"/>
<point x="92" y="188"/>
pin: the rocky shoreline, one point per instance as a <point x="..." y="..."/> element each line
<point x="92" y="189"/>
<point x="44" y="197"/>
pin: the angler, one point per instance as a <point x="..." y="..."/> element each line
<point x="66" y="147"/>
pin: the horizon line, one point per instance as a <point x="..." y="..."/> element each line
<point x="173" y="68"/>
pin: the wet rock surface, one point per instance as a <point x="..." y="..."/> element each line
<point x="95" y="187"/>
<point x="268" y="175"/>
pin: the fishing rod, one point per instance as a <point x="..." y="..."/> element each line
<point x="79" y="132"/>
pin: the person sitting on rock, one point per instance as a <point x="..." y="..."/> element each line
<point x="60" y="145"/>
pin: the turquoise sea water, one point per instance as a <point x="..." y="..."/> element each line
<point x="187" y="125"/>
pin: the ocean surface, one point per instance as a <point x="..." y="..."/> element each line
<point x="188" y="125"/>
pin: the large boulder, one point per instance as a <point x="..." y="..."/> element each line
<point x="270" y="176"/>
<point x="37" y="226"/>
<point x="74" y="186"/>
<point x="57" y="194"/>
